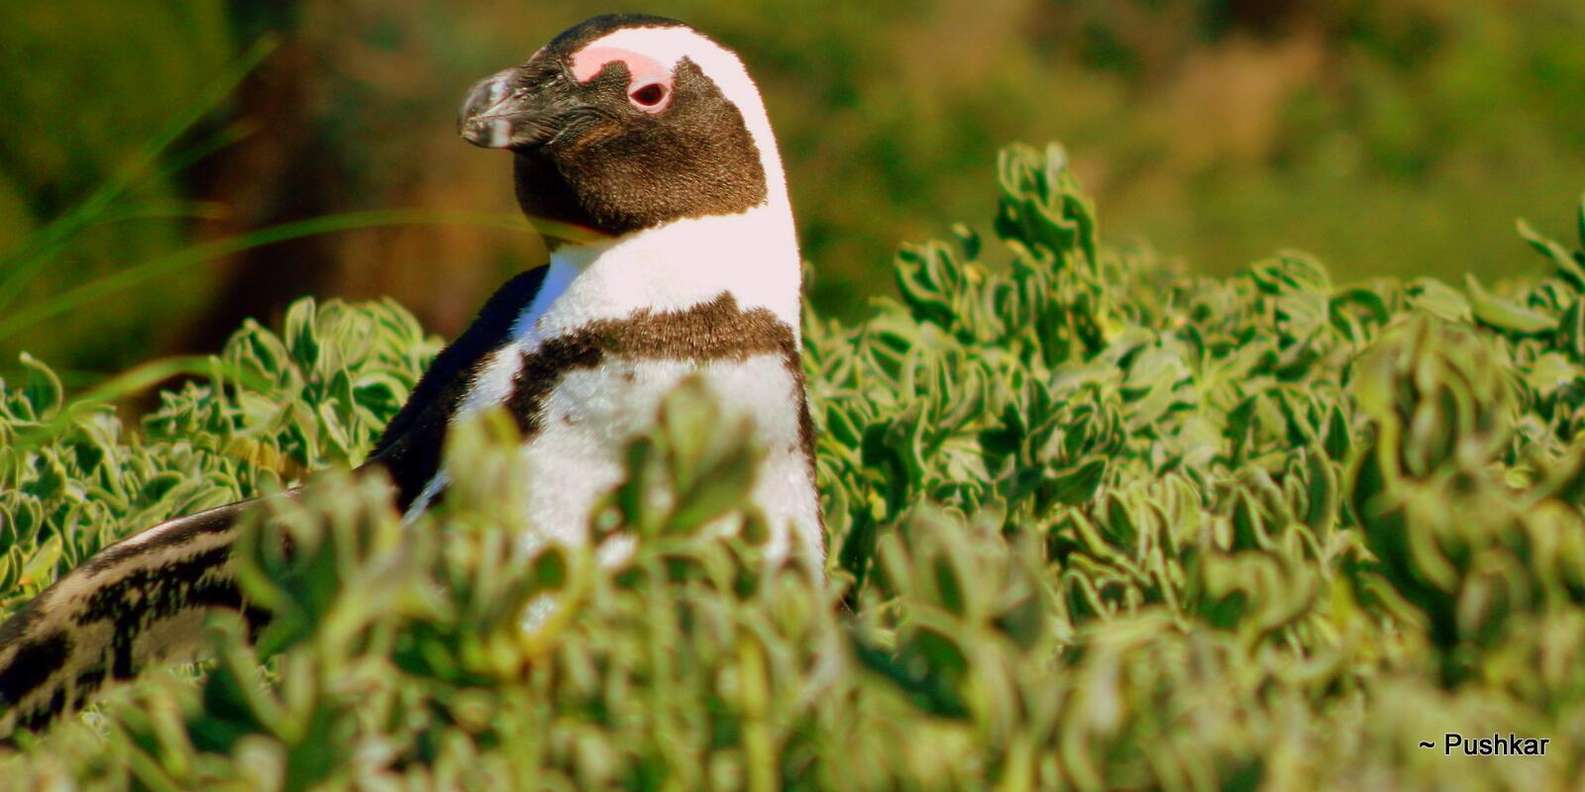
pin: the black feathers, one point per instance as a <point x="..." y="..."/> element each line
<point x="634" y="170"/>
<point x="572" y="39"/>
<point x="410" y="448"/>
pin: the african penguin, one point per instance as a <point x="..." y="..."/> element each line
<point x="635" y="126"/>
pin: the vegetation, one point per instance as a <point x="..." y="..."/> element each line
<point x="1095" y="522"/>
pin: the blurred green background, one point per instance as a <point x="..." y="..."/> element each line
<point x="1386" y="137"/>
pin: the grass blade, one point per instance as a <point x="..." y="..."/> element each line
<point x="18" y="268"/>
<point x="122" y="280"/>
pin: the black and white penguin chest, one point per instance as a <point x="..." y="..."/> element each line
<point x="583" y="371"/>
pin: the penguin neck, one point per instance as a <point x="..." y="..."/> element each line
<point x="751" y="256"/>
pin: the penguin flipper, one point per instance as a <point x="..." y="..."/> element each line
<point x="140" y="600"/>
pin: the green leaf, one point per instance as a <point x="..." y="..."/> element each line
<point x="1503" y="314"/>
<point x="42" y="388"/>
<point x="1564" y="261"/>
<point x="1439" y="299"/>
<point x="302" y="336"/>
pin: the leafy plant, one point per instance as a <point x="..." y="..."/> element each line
<point x="1093" y="523"/>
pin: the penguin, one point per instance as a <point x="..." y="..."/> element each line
<point x="637" y="127"/>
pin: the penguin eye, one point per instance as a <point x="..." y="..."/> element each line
<point x="648" y="97"/>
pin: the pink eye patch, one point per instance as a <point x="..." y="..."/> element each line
<point x="645" y="74"/>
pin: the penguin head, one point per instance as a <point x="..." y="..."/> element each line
<point x="624" y="122"/>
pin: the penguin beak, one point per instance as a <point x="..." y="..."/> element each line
<point x="501" y="111"/>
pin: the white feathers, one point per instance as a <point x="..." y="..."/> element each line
<point x="592" y="414"/>
<point x="752" y="256"/>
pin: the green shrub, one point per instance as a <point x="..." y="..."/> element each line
<point x="1094" y="523"/>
